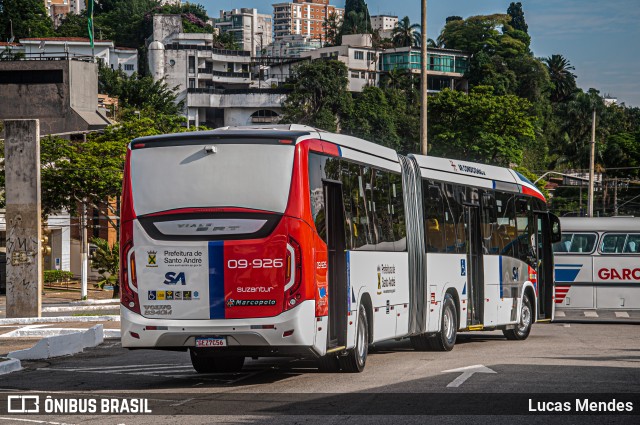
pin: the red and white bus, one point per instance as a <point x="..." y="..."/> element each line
<point x="291" y="241"/>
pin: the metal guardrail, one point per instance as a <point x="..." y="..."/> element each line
<point x="224" y="73"/>
<point x="207" y="90"/>
<point x="177" y="46"/>
<point x="50" y="56"/>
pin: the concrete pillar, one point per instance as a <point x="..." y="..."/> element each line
<point x="22" y="191"/>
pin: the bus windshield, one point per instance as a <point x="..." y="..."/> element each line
<point x="254" y="176"/>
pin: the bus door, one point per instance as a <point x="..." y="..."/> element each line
<point x="475" y="269"/>
<point x="337" y="264"/>
<point x="543" y="240"/>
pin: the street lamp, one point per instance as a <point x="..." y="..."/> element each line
<point x="423" y="82"/>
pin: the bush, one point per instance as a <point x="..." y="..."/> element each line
<point x="51" y="276"/>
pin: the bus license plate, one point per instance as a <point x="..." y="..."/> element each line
<point x="211" y="342"/>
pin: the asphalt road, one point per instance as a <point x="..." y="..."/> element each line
<point x="574" y="361"/>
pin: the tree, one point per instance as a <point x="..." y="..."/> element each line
<point x="480" y="126"/>
<point x="139" y="92"/>
<point x="332" y="25"/>
<point x="373" y="118"/>
<point x="28" y="17"/>
<point x="106" y="259"/>
<point x="73" y="25"/>
<point x="406" y="34"/>
<point x="357" y="19"/>
<point x="319" y="97"/>
<point x="517" y="17"/>
<point x="564" y="81"/>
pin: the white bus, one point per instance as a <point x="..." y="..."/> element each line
<point x="598" y="264"/>
<point x="291" y="241"/>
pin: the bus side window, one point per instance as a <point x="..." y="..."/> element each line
<point x="347" y="181"/>
<point x="382" y="211"/>
<point x="490" y="236"/>
<point x="316" y="192"/>
<point x="633" y="244"/>
<point x="434" y="216"/>
<point x="359" y="213"/>
<point x="397" y="212"/>
<point x="505" y="208"/>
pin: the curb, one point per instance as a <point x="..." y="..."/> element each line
<point x="59" y="319"/>
<point x="96" y="307"/>
<point x="115" y="301"/>
<point x="61" y="345"/>
<point x="9" y="365"/>
<point x="37" y="332"/>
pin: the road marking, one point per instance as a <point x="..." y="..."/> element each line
<point x="590" y="314"/>
<point x="467" y="372"/>
<point x="566" y="325"/>
<point x="33" y="421"/>
<point x="622" y="314"/>
<point x="560" y="314"/>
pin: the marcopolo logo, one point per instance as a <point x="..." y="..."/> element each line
<point x="249" y="303"/>
<point x="172" y="278"/>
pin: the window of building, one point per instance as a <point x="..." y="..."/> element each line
<point x="192" y="83"/>
<point x="192" y="64"/>
<point x="371" y="56"/>
<point x="128" y="67"/>
<point x="358" y="54"/>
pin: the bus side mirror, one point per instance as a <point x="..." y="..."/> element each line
<point x="556" y="232"/>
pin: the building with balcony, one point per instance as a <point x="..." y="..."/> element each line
<point x="358" y="54"/>
<point x="303" y="17"/>
<point x="105" y="51"/>
<point x="446" y="67"/>
<point x="252" y="31"/>
<point x="291" y="46"/>
<point x="219" y="87"/>
<point x="384" y="24"/>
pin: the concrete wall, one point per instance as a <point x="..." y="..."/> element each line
<point x="64" y="105"/>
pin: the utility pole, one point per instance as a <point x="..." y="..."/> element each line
<point x="423" y="82"/>
<point x="615" y="196"/>
<point x="591" y="163"/>
<point x="83" y="250"/>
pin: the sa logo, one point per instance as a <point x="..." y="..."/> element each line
<point x="172" y="278"/>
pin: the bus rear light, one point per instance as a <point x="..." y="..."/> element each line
<point x="287" y="333"/>
<point x="293" y="275"/>
<point x="134" y="335"/>
<point x="433" y="298"/>
<point x="128" y="282"/>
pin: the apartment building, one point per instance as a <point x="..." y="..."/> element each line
<point x="304" y="18"/>
<point x="252" y="31"/>
<point x="219" y="87"/>
<point x="384" y="24"/>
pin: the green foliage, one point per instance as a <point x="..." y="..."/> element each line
<point x="139" y="92"/>
<point x="29" y="18"/>
<point x="106" y="259"/>
<point x="406" y="34"/>
<point x="332" y="27"/>
<point x="564" y="81"/>
<point x="74" y="25"/>
<point x="517" y="17"/>
<point x="480" y="126"/>
<point x="373" y="118"/>
<point x="319" y="97"/>
<point x="56" y="276"/>
<point x="357" y="19"/>
<point x="225" y="40"/>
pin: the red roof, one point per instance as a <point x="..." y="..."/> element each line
<point x="125" y="48"/>
<point x="70" y="39"/>
<point x="4" y="43"/>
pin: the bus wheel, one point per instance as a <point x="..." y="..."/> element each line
<point x="523" y="327"/>
<point x="446" y="338"/>
<point x="328" y="364"/>
<point x="204" y="363"/>
<point x="356" y="358"/>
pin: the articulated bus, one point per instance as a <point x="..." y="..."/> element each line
<point x="291" y="241"/>
<point x="598" y="265"/>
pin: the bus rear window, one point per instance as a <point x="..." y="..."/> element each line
<point x="253" y="176"/>
<point x="576" y="243"/>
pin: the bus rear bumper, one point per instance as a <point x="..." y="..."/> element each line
<point x="249" y="337"/>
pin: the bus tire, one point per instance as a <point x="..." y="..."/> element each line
<point x="446" y="338"/>
<point x="421" y="342"/>
<point x="523" y="327"/>
<point x="204" y="363"/>
<point x="356" y="358"/>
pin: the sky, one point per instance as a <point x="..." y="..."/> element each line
<point x="600" y="38"/>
